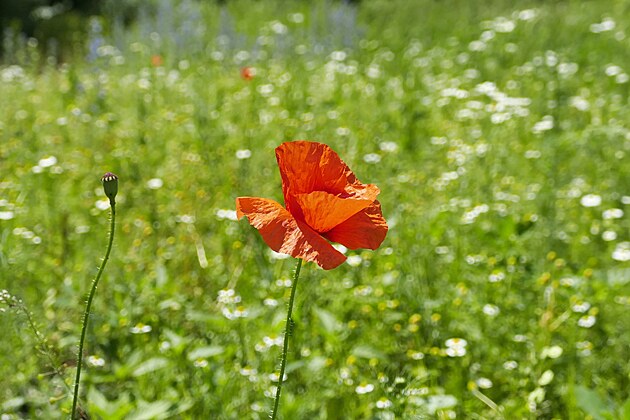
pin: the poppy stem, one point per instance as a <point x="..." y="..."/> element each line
<point x="86" y="315"/>
<point x="288" y="331"/>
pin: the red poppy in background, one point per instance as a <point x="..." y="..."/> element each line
<point x="323" y="201"/>
<point x="248" y="73"/>
<point x="157" y="60"/>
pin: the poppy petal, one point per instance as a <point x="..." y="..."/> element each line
<point x="323" y="211"/>
<point x="284" y="234"/>
<point x="366" y="229"/>
<point x="307" y="166"/>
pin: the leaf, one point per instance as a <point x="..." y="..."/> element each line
<point x="317" y="363"/>
<point x="150" y="366"/>
<point x="182" y="406"/>
<point x="590" y="402"/>
<point x="99" y="406"/>
<point x="625" y="410"/>
<point x="328" y="320"/>
<point x="13" y="404"/>
<point x="208" y="317"/>
<point x="161" y="275"/>
<point x="618" y="276"/>
<point x="98" y="399"/>
<point x="368" y="352"/>
<point x="153" y="410"/>
<point x="294" y="366"/>
<point x="178" y="342"/>
<point x="205" y="352"/>
<point x="440" y="402"/>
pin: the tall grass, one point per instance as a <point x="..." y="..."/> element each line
<point x="498" y="136"/>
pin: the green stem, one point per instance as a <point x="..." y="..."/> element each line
<point x="288" y="330"/>
<point x="86" y="315"/>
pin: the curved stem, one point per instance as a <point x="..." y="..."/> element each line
<point x="86" y="315"/>
<point x="288" y="330"/>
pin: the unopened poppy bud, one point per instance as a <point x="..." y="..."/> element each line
<point x="110" y="185"/>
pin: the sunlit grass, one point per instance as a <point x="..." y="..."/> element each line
<point x="500" y="144"/>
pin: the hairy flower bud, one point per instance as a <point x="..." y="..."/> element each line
<point x="110" y="185"/>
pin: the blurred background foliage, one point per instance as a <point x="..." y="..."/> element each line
<point x="51" y="23"/>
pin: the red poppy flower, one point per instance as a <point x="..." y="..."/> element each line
<point x="248" y="73"/>
<point x="157" y="60"/>
<point x="323" y="200"/>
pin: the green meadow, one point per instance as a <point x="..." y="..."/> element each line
<point x="497" y="132"/>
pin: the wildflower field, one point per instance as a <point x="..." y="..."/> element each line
<point x="498" y="135"/>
